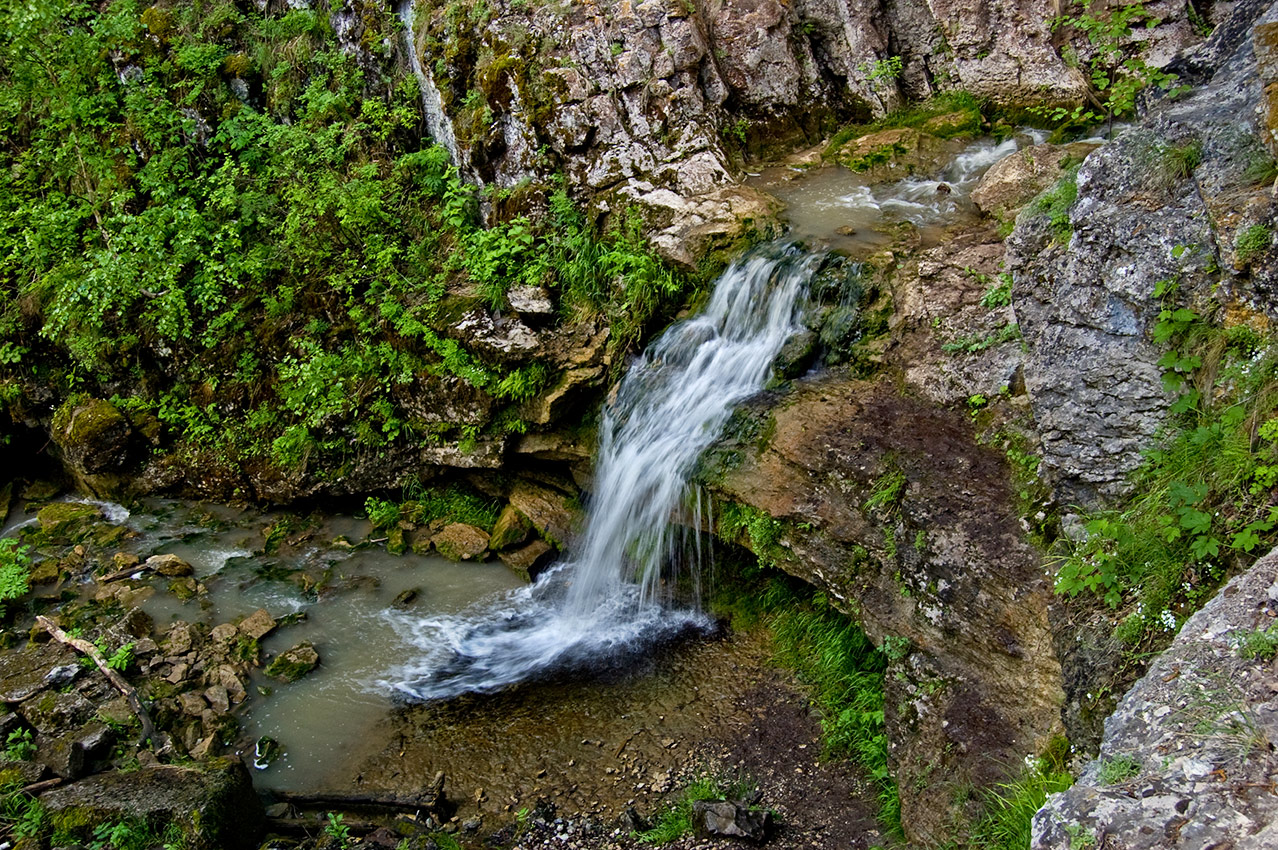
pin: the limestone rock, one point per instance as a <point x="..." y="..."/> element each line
<point x="731" y="820"/>
<point x="214" y="806"/>
<point x="169" y="565"/>
<point x="546" y="508"/>
<point x="511" y="528"/>
<point x="461" y="542"/>
<point x="970" y="602"/>
<point x="528" y="561"/>
<point x="1193" y="735"/>
<point x="257" y="625"/>
<point x="24" y="672"/>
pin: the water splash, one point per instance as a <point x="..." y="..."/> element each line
<point x="613" y="595"/>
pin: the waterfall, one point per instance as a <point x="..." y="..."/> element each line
<point x="607" y="597"/>
<point x="437" y="122"/>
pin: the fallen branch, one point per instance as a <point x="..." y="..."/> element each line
<point x="130" y="693"/>
<point x="353" y="801"/>
<point x="116" y="576"/>
<point x="36" y="788"/>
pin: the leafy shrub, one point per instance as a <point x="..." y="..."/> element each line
<point x="15" y="569"/>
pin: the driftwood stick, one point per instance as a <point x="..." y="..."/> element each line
<point x="116" y="576"/>
<point x="130" y="693"/>
<point x="354" y="801"/>
<point x="36" y="788"/>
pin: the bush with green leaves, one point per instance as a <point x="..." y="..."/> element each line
<point x="1116" y="70"/>
<point x="1202" y="503"/>
<point x="15" y="569"/>
<point x="220" y="210"/>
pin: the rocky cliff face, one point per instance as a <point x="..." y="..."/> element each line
<point x="1187" y="759"/>
<point x="652" y="103"/>
<point x="892" y="494"/>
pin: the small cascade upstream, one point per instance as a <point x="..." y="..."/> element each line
<point x="613" y="593"/>
<point x="437" y="122"/>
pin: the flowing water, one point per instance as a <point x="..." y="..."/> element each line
<point x="839" y="208"/>
<point x="437" y="121"/>
<point x="613" y="595"/>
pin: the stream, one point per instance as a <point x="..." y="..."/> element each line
<point x="579" y="686"/>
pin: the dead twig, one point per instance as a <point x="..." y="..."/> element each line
<point x="130" y="693"/>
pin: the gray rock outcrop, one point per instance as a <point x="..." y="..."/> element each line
<point x="1187" y="759"/>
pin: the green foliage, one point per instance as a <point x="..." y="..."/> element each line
<point x="757" y="529"/>
<point x="19" y="746"/>
<point x="449" y="503"/>
<point x="886" y="492"/>
<point x="382" y="513"/>
<point x="676" y="821"/>
<point x="1202" y="501"/>
<point x="1261" y="643"/>
<point x="121" y="658"/>
<point x="337" y="830"/>
<point x="999" y="293"/>
<point x="1010" y="808"/>
<point x="916" y="115"/>
<point x="270" y="274"/>
<point x="1172" y="164"/>
<point x="15" y="569"/>
<point x="1252" y="242"/>
<point x="22" y="815"/>
<point x="880" y="72"/>
<point x="972" y="343"/>
<point x="1056" y="201"/>
<point x="1118" y="769"/>
<point x="1117" y="77"/>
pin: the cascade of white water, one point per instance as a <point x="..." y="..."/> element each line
<point x="437" y="121"/>
<point x="604" y="598"/>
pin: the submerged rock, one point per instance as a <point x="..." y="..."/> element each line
<point x="293" y="664"/>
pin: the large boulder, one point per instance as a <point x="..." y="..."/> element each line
<point x="214" y="806"/>
<point x="889" y="505"/>
<point x="1015" y="180"/>
<point x="92" y="435"/>
<point x="1186" y="758"/>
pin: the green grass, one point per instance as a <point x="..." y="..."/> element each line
<point x="675" y="821"/>
<point x="1118" y="769"/>
<point x="1055" y="204"/>
<point x="1010" y="808"/>
<point x="1252" y="242"/>
<point x="1261" y="644"/>
<point x="1202" y="502"/>
<point x="916" y="115"/>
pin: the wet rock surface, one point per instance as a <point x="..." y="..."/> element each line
<point x="1187" y="756"/>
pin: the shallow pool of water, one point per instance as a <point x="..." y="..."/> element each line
<point x="834" y="207"/>
<point x="347" y="596"/>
